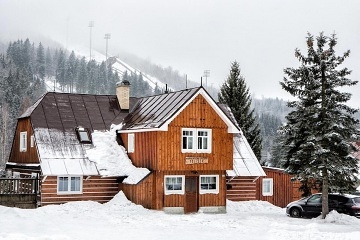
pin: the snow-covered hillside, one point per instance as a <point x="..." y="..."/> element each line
<point x="121" y="219"/>
<point x="119" y="66"/>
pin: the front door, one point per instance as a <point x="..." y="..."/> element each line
<point x="191" y="194"/>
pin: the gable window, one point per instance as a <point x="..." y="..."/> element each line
<point x="69" y="185"/>
<point x="174" y="184"/>
<point x="196" y="140"/>
<point x="131" y="142"/>
<point x="267" y="187"/>
<point x="23" y="141"/>
<point x="209" y="184"/>
<point x="83" y="135"/>
<point x="32" y="141"/>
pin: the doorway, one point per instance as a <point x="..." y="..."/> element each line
<point x="191" y="195"/>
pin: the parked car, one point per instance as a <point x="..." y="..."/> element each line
<point x="311" y="206"/>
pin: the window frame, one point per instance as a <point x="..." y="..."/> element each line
<point x="269" y="181"/>
<point x="195" y="142"/>
<point x="32" y="141"/>
<point x="131" y="142"/>
<point x="169" y="192"/>
<point x="80" y="131"/>
<point x="23" y="141"/>
<point x="212" y="191"/>
<point x="69" y="181"/>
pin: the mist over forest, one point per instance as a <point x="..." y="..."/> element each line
<point x="29" y="69"/>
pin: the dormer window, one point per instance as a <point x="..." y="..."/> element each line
<point x="83" y="135"/>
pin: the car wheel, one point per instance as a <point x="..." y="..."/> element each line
<point x="295" y="212"/>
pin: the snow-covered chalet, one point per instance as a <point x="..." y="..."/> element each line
<point x="178" y="151"/>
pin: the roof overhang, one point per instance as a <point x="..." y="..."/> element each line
<point x="232" y="128"/>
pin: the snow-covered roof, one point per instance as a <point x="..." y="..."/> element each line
<point x="245" y="161"/>
<point x="111" y="159"/>
<point x="62" y="154"/>
<point x="81" y="167"/>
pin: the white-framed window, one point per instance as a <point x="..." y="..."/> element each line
<point x="23" y="141"/>
<point x="83" y="135"/>
<point x="32" y="141"/>
<point x="267" y="186"/>
<point x="174" y="184"/>
<point x="69" y="184"/>
<point x="131" y="142"/>
<point x="209" y="184"/>
<point x="196" y="140"/>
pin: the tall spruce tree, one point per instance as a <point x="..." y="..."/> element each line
<point x="319" y="130"/>
<point x="235" y="94"/>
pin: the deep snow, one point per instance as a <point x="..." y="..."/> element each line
<point x="121" y="219"/>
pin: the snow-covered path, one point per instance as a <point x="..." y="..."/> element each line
<point x="120" y="219"/>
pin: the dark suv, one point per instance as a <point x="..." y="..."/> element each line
<point x="311" y="206"/>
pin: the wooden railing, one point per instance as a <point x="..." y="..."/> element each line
<point x="19" y="186"/>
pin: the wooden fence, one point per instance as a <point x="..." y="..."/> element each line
<point x="19" y="192"/>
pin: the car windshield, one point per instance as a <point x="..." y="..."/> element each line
<point x="357" y="200"/>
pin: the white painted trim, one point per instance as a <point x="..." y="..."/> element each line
<point x="231" y="127"/>
<point x="23" y="140"/>
<point x="131" y="142"/>
<point x="195" y="140"/>
<point x="213" y="191"/>
<point x="182" y="191"/>
<point x="164" y="127"/>
<point x="69" y="185"/>
<point x="270" y="181"/>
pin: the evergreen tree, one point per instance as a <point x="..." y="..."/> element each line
<point x="40" y="61"/>
<point x="71" y="70"/>
<point x="235" y="94"/>
<point x="321" y="126"/>
<point x="277" y="151"/>
<point x="81" y="84"/>
<point x="49" y="70"/>
<point x="61" y="69"/>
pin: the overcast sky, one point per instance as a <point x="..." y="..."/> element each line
<point x="197" y="35"/>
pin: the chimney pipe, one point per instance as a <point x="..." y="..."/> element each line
<point x="123" y="94"/>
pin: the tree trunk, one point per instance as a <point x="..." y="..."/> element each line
<point x="325" y="194"/>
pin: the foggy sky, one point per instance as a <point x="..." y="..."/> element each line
<point x="197" y="35"/>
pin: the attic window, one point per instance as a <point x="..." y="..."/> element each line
<point x="83" y="135"/>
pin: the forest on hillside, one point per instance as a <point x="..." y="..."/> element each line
<point x="28" y="70"/>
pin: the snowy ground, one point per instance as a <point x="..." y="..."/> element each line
<point x="121" y="219"/>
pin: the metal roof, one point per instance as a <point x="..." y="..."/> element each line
<point x="154" y="113"/>
<point x="65" y="111"/>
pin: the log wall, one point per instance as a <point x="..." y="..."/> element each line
<point x="241" y="188"/>
<point x="94" y="189"/>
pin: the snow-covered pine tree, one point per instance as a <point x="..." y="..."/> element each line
<point x="321" y="127"/>
<point x="235" y="94"/>
<point x="40" y="61"/>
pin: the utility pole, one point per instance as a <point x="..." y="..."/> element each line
<point x="91" y="25"/>
<point x="206" y="75"/>
<point x="107" y="37"/>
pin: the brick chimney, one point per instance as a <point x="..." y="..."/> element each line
<point x="123" y="94"/>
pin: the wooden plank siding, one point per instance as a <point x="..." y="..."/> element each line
<point x="142" y="193"/>
<point x="241" y="188"/>
<point x="95" y="188"/>
<point x="150" y="192"/>
<point x="284" y="189"/>
<point x="161" y="150"/>
<point x="31" y="155"/>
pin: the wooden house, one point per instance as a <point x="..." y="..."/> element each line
<point x="277" y="187"/>
<point x="184" y="139"/>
